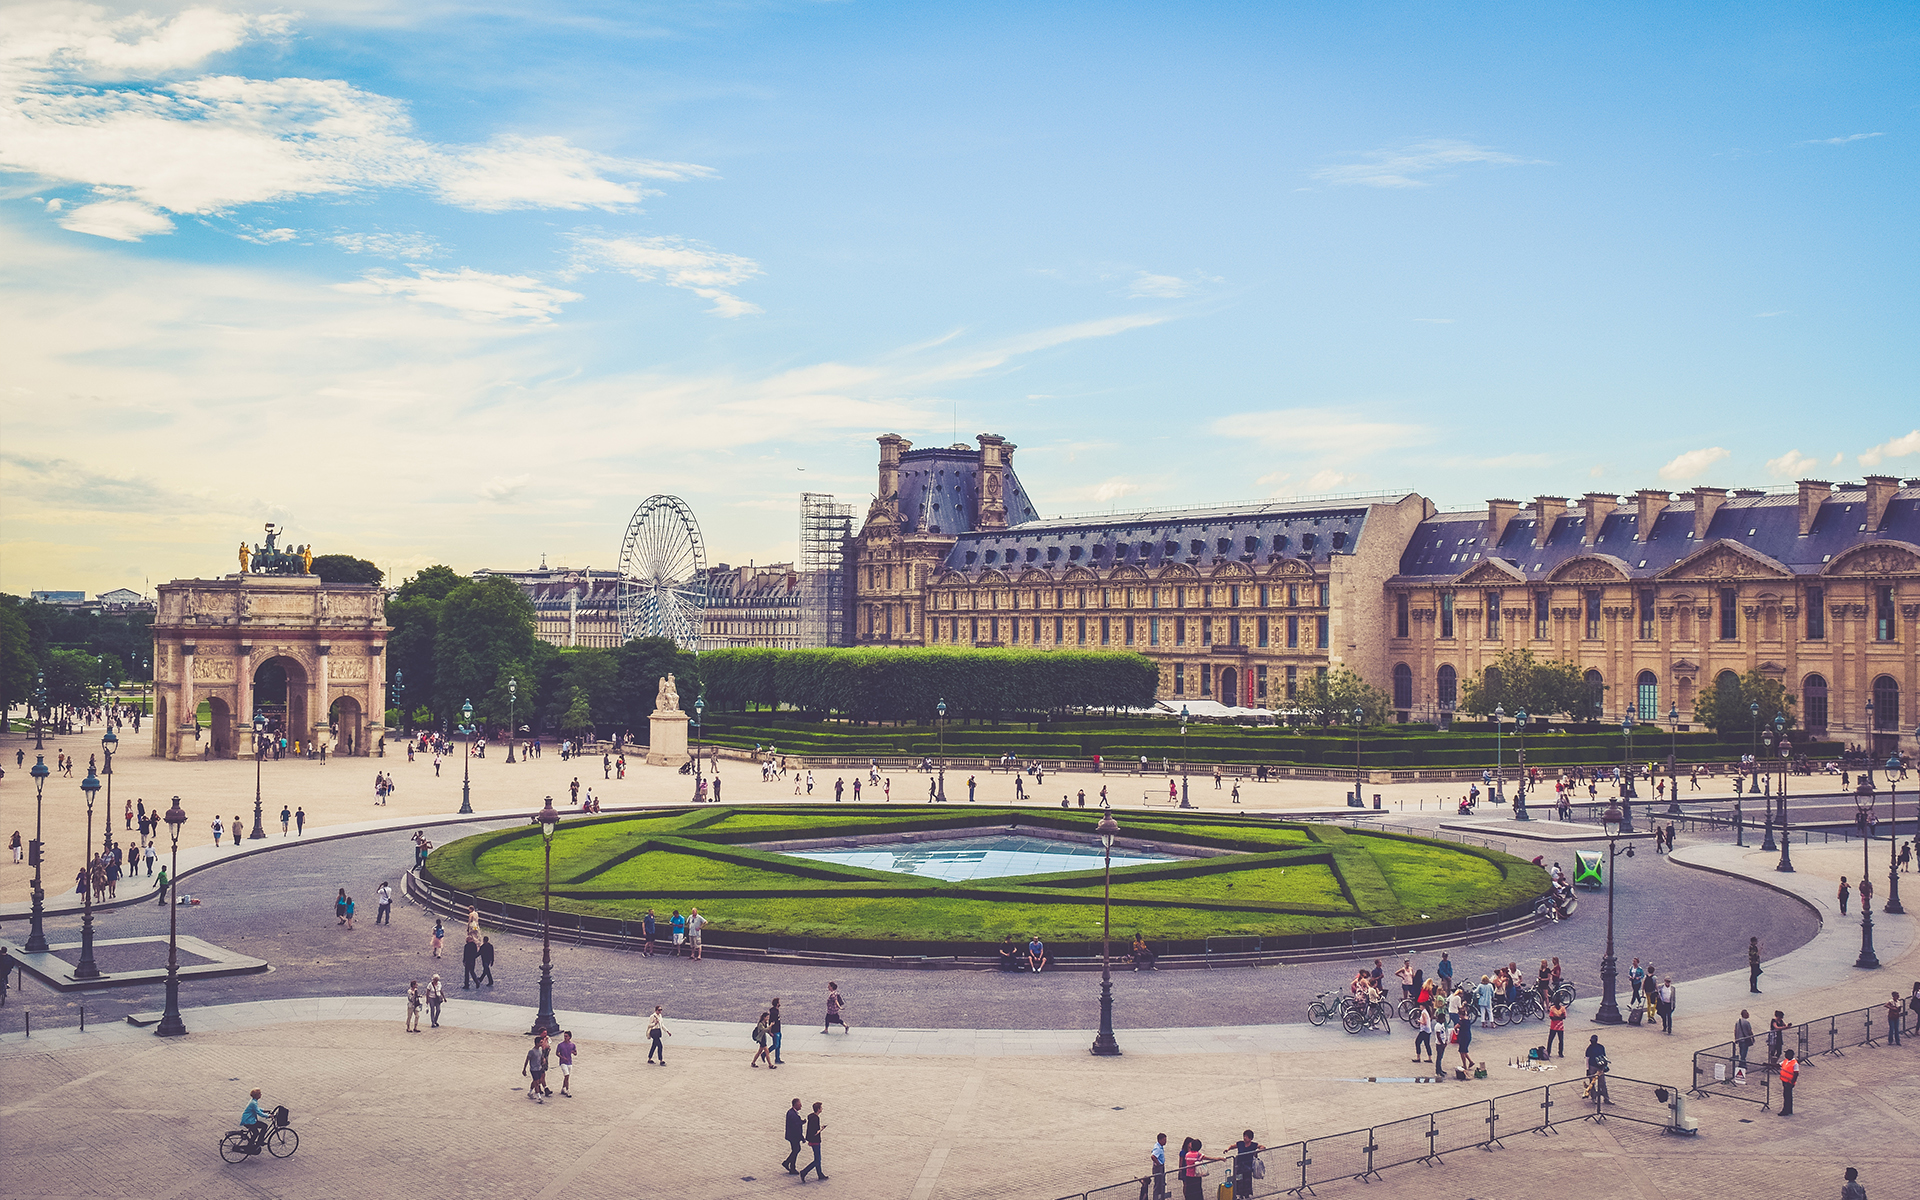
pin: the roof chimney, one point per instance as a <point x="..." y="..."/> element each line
<point x="892" y="446"/>
<point x="1706" y="502"/>
<point x="1880" y="489"/>
<point x="1499" y="513"/>
<point x="1813" y="493"/>
<point x="1651" y="504"/>
<point x="993" y="481"/>
<point x="1598" y="508"/>
<point x="1546" y="510"/>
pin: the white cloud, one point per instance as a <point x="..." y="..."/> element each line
<point x="1841" y="141"/>
<point x="268" y="237"/>
<point x="1114" y="489"/>
<point x="410" y="246"/>
<point x="1319" y="430"/>
<point x="502" y="488"/>
<point x="1791" y="465"/>
<point x="1899" y="447"/>
<point x="1147" y="285"/>
<point x="1414" y="165"/>
<point x="1777" y="313"/>
<point x="705" y="272"/>
<point x="121" y="220"/>
<point x="85" y="40"/>
<point x="1692" y="464"/>
<point x="1598" y="472"/>
<point x="474" y="294"/>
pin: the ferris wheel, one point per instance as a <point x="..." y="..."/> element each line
<point x="663" y="565"/>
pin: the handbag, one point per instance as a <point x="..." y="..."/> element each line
<point x="1259" y="1168"/>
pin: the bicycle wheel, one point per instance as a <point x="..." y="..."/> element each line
<point x="1501" y="1012"/>
<point x="1406" y="1011"/>
<point x="1564" y="993"/>
<point x="1317" y="1013"/>
<point x="283" y="1141"/>
<point x="1350" y="1021"/>
<point x="233" y="1147"/>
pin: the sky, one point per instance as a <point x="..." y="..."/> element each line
<point x="430" y="281"/>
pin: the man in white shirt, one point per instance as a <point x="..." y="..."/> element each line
<point x="695" y="923"/>
<point x="384" y="914"/>
<point x="1157" y="1158"/>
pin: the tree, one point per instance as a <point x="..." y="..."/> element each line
<point x="17" y="664"/>
<point x="414" y="614"/>
<point x="1331" y="699"/>
<point x="638" y="668"/>
<point x="484" y="624"/>
<point x="344" y="568"/>
<point x="73" y="678"/>
<point x="432" y="583"/>
<point x="1519" y="682"/>
<point x="1727" y="707"/>
<point x="577" y="722"/>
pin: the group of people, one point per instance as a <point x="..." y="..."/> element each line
<point x="686" y="930"/>
<point x="1191" y="1162"/>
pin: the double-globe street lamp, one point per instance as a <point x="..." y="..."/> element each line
<point x="1863" y="821"/>
<point x="1613" y="821"/>
<point x="1499" y="753"/>
<point x="1673" y="760"/>
<point x="1520" y="789"/>
<point x="1626" y="772"/>
<point x="87" y="968"/>
<point x="259" y="736"/>
<point x="513" y="695"/>
<point x="170" y="1023"/>
<point x="400" y="699"/>
<point x="940" y="787"/>
<point x="36" y="932"/>
<point x="1184" y="801"/>
<point x="466" y="759"/>
<point x="109" y="746"/>
<point x="699" y="781"/>
<point x="1359" y="715"/>
<point x="1103" y="1042"/>
<point x="545" y="1021"/>
<point x="39" y="710"/>
<point x="1893" y="904"/>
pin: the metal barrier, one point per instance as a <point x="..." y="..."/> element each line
<point x="1714" y="1068"/>
<point x="1362" y="1154"/>
<point x="1722" y="1071"/>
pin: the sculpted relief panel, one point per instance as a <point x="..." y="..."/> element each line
<point x="347" y="670"/>
<point x="212" y="670"/>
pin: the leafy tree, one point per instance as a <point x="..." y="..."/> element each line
<point x="414" y="614"/>
<point x="1727" y="707"/>
<point x="638" y="668"/>
<point x="1331" y="699"/>
<point x="344" y="568"/>
<point x="73" y="678"/>
<point x="577" y="722"/>
<point x="483" y="625"/>
<point x="17" y="664"/>
<point x="1517" y="681"/>
<point x="432" y="583"/>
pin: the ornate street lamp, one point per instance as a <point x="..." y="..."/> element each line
<point x="1893" y="904"/>
<point x="1359" y="800"/>
<point x="87" y="970"/>
<point x="513" y="695"/>
<point x="1673" y="760"/>
<point x="1499" y="751"/>
<point x="466" y="759"/>
<point x="400" y="700"/>
<point x="1754" y="711"/>
<point x="1520" y="792"/>
<point x="36" y="935"/>
<point x="109" y="746"/>
<point x="1626" y="769"/>
<point x="699" y="783"/>
<point x="39" y="709"/>
<point x="1863" y="821"/>
<point x="259" y="735"/>
<point x="146" y="668"/>
<point x="1184" y="801"/>
<point x="1613" y="821"/>
<point x="1785" y="746"/>
<point x="940" y="788"/>
<point x="1103" y="1043"/>
<point x="545" y="1021"/>
<point x="170" y="1023"/>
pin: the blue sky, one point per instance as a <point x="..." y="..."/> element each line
<point x="465" y="283"/>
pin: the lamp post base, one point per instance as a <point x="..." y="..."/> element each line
<point x="545" y="1021"/>
<point x="259" y="833"/>
<point x="1104" y="1044"/>
<point x="36" y="934"/>
<point x="1609" y="1012"/>
<point x="87" y="969"/>
<point x="1868" y="960"/>
<point x="1786" y="854"/>
<point x="1767" y="844"/>
<point x="466" y="801"/>
<point x="170" y="1023"/>
<point x="1893" y="904"/>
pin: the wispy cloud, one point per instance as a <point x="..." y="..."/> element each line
<point x="1147" y="285"/>
<point x="1899" y="447"/>
<point x="1416" y="165"/>
<point x="1693" y="464"/>
<point x="1777" y="313"/>
<point x="410" y="246"/>
<point x="473" y="294"/>
<point x="1839" y="141"/>
<point x="1791" y="465"/>
<point x="676" y="262"/>
<point x="1319" y="430"/>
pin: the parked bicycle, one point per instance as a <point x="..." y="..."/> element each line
<point x="1375" y="1014"/>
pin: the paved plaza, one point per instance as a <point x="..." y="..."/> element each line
<point x="953" y="1084"/>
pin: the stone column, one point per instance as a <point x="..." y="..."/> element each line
<point x="185" y="720"/>
<point x="375" y="724"/>
<point x="243" y="698"/>
<point x="317" y="718"/>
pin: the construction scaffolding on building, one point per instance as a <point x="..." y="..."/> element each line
<point x="826" y="528"/>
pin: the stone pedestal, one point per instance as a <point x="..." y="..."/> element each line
<point x="667" y="746"/>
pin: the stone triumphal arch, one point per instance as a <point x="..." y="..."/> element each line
<point x="308" y="655"/>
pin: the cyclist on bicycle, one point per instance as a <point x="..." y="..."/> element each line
<point x="254" y="1122"/>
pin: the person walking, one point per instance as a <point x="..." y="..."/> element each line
<point x="1777" y="1037"/>
<point x="535" y="1068"/>
<point x="649" y="926"/>
<point x="796" y="1134"/>
<point x="656" y="1030"/>
<point x="436" y="996"/>
<point x="814" y="1126"/>
<point x="486" y="962"/>
<point x="763" y="1038"/>
<point x="1422" y="1033"/>
<point x="1742" y="1039"/>
<point x="1597" y="1071"/>
<point x="1664" y="1001"/>
<point x="695" y="923"/>
<point x="383" y="914"/>
<point x="565" y="1052"/>
<point x="350" y="908"/>
<point x="413" y="1007"/>
<point x="299" y="822"/>
<point x="773" y="1030"/>
<point x="1846" y="891"/>
<point x="1789" y="1075"/>
<point x="236" y="829"/>
<point x="439" y="936"/>
<point x="1637" y="977"/>
<point x="340" y="907"/>
<point x="1753" y="965"/>
<point x="286" y="816"/>
<point x="161" y="886"/>
<point x="219" y="833"/>
<point x="469" y="957"/>
<point x="835" y="1004"/>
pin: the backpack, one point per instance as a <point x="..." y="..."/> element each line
<point x="759" y="1035"/>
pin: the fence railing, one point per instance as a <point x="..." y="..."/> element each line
<point x="1362" y="1154"/>
<point x="1723" y="1071"/>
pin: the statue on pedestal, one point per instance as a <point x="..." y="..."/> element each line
<point x="668" y="699"/>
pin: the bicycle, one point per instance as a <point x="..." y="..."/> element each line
<point x="1320" y="1009"/>
<point x="1562" y="993"/>
<point x="1527" y="1007"/>
<point x="1364" y="1015"/>
<point x="280" y="1139"/>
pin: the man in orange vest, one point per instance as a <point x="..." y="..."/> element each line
<point x="1789" y="1075"/>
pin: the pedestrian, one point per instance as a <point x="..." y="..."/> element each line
<point x="1846" y="890"/>
<point x="439" y="936"/>
<point x="286" y="815"/>
<point x="436" y="996"/>
<point x="413" y="1007"/>
<point x="383" y="914"/>
<point x="350" y="912"/>
<point x="486" y="962"/>
<point x="469" y="957"/>
<point x="1445" y="972"/>
<point x="1422" y="1033"/>
<point x="1753" y="965"/>
<point x="1483" y="998"/>
<point x="763" y="1038"/>
<point x="835" y="1003"/>
<point x="1742" y="1039"/>
<point x="1597" y="1067"/>
<point x="299" y="822"/>
<point x="1157" y="1161"/>
<point x="565" y="1052"/>
<point x="1664" y="1002"/>
<point x="1192" y="1162"/>
<point x="1464" y="1043"/>
<point x="1777" y="1036"/>
<point x="656" y="1028"/>
<point x="162" y="886"/>
<point x="151" y="855"/>
<point x="679" y="924"/>
<point x="219" y="832"/>
<point x="1789" y="1075"/>
<point x="814" y="1126"/>
<point x="236" y="829"/>
<point x="1895" y="1010"/>
<point x="773" y="1030"/>
<point x="796" y="1134"/>
<point x="1851" y="1189"/>
<point x="535" y="1068"/>
<point x="695" y="923"/>
<point x="1244" y="1155"/>
<point x="1557" y="1028"/>
<point x="648" y="926"/>
<point x="1637" y="976"/>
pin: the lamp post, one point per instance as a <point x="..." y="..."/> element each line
<point x="513" y="695"/>
<point x="1184" y="801"/>
<point x="1103" y="1043"/>
<point x="466" y="759"/>
<point x="146" y="669"/>
<point x="1753" y="710"/>
<point x="109" y="746"/>
<point x="259" y="732"/>
<point x="400" y="700"/>
<point x="940" y="788"/>
<point x="1626" y="771"/>
<point x="1673" y="760"/>
<point x="1785" y="747"/>
<point x="699" y="782"/>
<point x="39" y="710"/>
<point x="1499" y="749"/>
<point x="87" y="970"/>
<point x="1893" y="904"/>
<point x="36" y="934"/>
<point x="1359" y="715"/>
<point x="1520" y="792"/>
<point x="1613" y="821"/>
<point x="170" y="1023"/>
<point x="1863" y="820"/>
<point x="545" y="1021"/>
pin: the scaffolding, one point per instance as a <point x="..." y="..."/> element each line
<point x="826" y="529"/>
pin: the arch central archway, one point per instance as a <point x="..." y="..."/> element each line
<point x="345" y="720"/>
<point x="280" y="693"/>
<point x="1229" y="686"/>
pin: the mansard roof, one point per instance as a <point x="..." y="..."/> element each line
<point x="940" y="491"/>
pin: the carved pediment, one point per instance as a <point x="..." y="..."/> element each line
<point x="991" y="576"/>
<point x="1080" y="575"/>
<point x="1684" y="665"/>
<point x="1877" y="558"/>
<point x="1129" y="574"/>
<point x="1035" y="575"/>
<point x="1492" y="572"/>
<point x="1727" y="560"/>
<point x="1179" y="573"/>
<point x="1591" y="568"/>
<point x="1289" y="568"/>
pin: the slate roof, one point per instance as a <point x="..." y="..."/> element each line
<point x="1447" y="544"/>
<point x="940" y="491"/>
<point x="1258" y="535"/>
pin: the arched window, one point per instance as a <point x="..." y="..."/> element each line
<point x="1647" y="688"/>
<point x="1727" y="685"/>
<point x="1402" y="686"/>
<point x="1596" y="695"/>
<point x="1886" y="703"/>
<point x="1813" y="701"/>
<point x="1449" y="687"/>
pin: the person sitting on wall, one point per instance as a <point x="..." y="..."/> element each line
<point x="1011" y="956"/>
<point x="1036" y="955"/>
<point x="1142" y="955"/>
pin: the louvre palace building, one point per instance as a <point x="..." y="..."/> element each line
<point x="1654" y="596"/>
